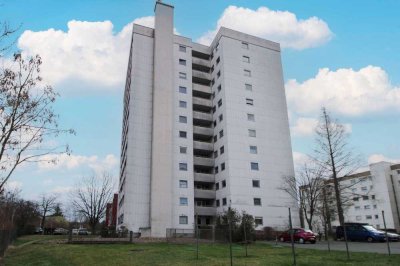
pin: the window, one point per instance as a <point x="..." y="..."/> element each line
<point x="215" y="138"/>
<point x="252" y="133"/>
<point x="358" y="218"/>
<point x="364" y="189"/>
<point x="254" y="166"/>
<point x="257" y="202"/>
<point x="183" y="219"/>
<point x="256" y="183"/>
<point x="217" y="202"/>
<point x="182" y="134"/>
<point x="182" y="48"/>
<point x="367" y="207"/>
<point x="182" y="119"/>
<point x="215" y="123"/>
<point x="376" y="216"/>
<point x="219" y="74"/>
<point x="223" y="183"/>
<point x="250" y="117"/>
<point x="182" y="62"/>
<point x="219" y="102"/>
<point x="215" y="154"/>
<point x="355" y="198"/>
<point x="182" y="89"/>
<point x="357" y="208"/>
<point x="183" y="201"/>
<point x="216" y="169"/>
<point x="248" y="87"/>
<point x="182" y="75"/>
<point x="183" y="149"/>
<point x="224" y="201"/>
<point x="183" y="184"/>
<point x="221" y="133"/>
<point x="375" y="206"/>
<point x="253" y="149"/>
<point x="372" y="196"/>
<point x="249" y="101"/>
<point x="368" y="217"/>
<point x="218" y="59"/>
<point x="207" y="220"/>
<point x="247" y="73"/>
<point x="219" y="88"/>
<point x="214" y="108"/>
<point x="212" y="68"/>
<point x="258" y="221"/>
<point x="216" y="186"/>
<point x="365" y="197"/>
<point x="221" y="117"/>
<point x="183" y="166"/>
<point x="246" y="59"/>
<point x="222" y="166"/>
<point x="353" y="190"/>
<point x="245" y="45"/>
<point x="182" y="104"/>
<point x="222" y="150"/>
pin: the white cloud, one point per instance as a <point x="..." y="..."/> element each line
<point x="62" y="190"/>
<point x="299" y="159"/>
<point x="344" y="91"/>
<point x="13" y="185"/>
<point x="304" y="126"/>
<point x="279" y="26"/>
<point x="376" y="158"/>
<point x="71" y="162"/>
<point x="88" y="56"/>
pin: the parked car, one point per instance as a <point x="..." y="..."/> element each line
<point x="38" y="230"/>
<point x="300" y="235"/>
<point x="360" y="232"/>
<point x="60" y="231"/>
<point x="83" y="231"/>
<point x="393" y="236"/>
<point x="75" y="231"/>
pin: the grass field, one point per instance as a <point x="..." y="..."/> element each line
<point x="44" y="250"/>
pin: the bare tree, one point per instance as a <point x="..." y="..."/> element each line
<point x="5" y="32"/>
<point x="306" y="189"/>
<point x="90" y="197"/>
<point x="334" y="155"/>
<point x="47" y="203"/>
<point x="27" y="118"/>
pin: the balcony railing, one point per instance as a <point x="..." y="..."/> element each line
<point x="205" y="211"/>
<point x="203" y="161"/>
<point x="200" y="177"/>
<point x="204" y="194"/>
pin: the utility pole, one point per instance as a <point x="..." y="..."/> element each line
<point x="230" y="233"/>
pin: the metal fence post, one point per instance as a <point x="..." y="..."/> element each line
<point x="387" y="239"/>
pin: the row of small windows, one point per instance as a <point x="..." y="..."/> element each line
<point x="364" y="197"/>
<point x="253" y="166"/>
<point x="366" y="207"/>
<point x="368" y="217"/>
<point x="256" y="202"/>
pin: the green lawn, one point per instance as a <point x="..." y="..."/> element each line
<point x="39" y="250"/>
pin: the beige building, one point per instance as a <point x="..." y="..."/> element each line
<point x="204" y="128"/>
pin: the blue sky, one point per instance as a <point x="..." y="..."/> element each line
<point x="350" y="63"/>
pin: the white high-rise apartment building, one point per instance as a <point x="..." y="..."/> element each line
<point x="204" y="128"/>
<point x="371" y="193"/>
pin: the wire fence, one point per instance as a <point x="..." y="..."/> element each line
<point x="6" y="238"/>
<point x="210" y="234"/>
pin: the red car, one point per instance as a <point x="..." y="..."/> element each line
<point x="300" y="235"/>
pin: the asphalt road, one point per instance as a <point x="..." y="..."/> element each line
<point x="353" y="246"/>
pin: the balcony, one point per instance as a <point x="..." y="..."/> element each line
<point x="208" y="162"/>
<point x="207" y="146"/>
<point x="200" y="177"/>
<point x="202" y="102"/>
<point x="202" y="89"/>
<point x="205" y="211"/>
<point x="201" y="75"/>
<point x="204" y="131"/>
<point x="202" y="116"/>
<point x="204" y="194"/>
<point x="201" y="62"/>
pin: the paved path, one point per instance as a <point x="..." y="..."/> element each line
<point x="353" y="246"/>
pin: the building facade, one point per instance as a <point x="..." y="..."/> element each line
<point x="366" y="194"/>
<point x="111" y="212"/>
<point x="204" y="128"/>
